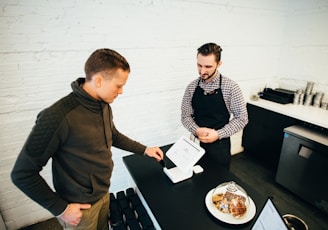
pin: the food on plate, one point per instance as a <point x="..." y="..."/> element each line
<point x="237" y="207"/>
<point x="217" y="198"/>
<point x="230" y="203"/>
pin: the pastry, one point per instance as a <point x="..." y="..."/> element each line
<point x="237" y="207"/>
<point x="217" y="198"/>
<point x="230" y="203"/>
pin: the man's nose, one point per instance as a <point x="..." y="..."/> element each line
<point x="202" y="70"/>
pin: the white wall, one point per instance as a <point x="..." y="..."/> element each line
<point x="304" y="55"/>
<point x="44" y="45"/>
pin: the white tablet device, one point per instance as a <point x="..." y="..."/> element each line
<point x="184" y="154"/>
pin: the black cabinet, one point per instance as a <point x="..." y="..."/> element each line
<point x="263" y="135"/>
<point x="303" y="165"/>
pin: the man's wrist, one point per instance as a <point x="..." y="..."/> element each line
<point x="62" y="212"/>
<point x="145" y="151"/>
<point x="222" y="133"/>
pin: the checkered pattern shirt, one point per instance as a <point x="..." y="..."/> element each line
<point x="233" y="99"/>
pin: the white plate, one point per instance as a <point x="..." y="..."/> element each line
<point x="227" y="217"/>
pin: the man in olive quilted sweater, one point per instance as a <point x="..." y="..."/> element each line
<point x="77" y="133"/>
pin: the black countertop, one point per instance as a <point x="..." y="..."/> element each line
<point x="182" y="205"/>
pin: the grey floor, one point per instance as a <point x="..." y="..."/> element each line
<point x="258" y="176"/>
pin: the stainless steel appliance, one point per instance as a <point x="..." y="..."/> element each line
<point x="303" y="164"/>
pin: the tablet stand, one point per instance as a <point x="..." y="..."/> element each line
<point x="176" y="175"/>
<point x="184" y="154"/>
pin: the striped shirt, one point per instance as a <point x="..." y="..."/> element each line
<point x="233" y="99"/>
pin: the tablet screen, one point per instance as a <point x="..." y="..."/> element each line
<point x="185" y="154"/>
<point x="269" y="218"/>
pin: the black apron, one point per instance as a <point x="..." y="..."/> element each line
<point x="210" y="111"/>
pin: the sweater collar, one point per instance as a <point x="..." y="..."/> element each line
<point x="85" y="99"/>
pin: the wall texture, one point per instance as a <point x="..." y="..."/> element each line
<point x="44" y="45"/>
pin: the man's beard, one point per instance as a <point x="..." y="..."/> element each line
<point x="208" y="76"/>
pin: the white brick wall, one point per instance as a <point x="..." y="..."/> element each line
<point x="44" y="44"/>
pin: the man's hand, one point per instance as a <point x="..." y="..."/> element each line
<point x="207" y="135"/>
<point x="155" y="152"/>
<point x="73" y="214"/>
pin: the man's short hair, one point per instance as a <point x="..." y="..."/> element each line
<point x="210" y="48"/>
<point x="104" y="60"/>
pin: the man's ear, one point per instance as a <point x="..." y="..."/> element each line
<point x="219" y="63"/>
<point x="97" y="80"/>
